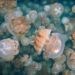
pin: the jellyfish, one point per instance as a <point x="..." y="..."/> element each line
<point x="40" y="39"/>
<point x="18" y="26"/>
<point x="54" y="47"/>
<point x="8" y="49"/>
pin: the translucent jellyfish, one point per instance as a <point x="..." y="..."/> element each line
<point x="68" y="72"/>
<point x="43" y="18"/>
<point x="1" y="4"/>
<point x="54" y="47"/>
<point x="10" y="4"/>
<point x="57" y="68"/>
<point x="73" y="39"/>
<point x="33" y="68"/>
<point x="7" y="5"/>
<point x="73" y="9"/>
<point x="31" y="16"/>
<point x="40" y="39"/>
<point x="65" y="20"/>
<point x="25" y="41"/>
<point x="71" y="60"/>
<point x="56" y="9"/>
<point x="18" y="26"/>
<point x="26" y="60"/>
<point x="61" y="59"/>
<point x="68" y="24"/>
<point x="8" y="49"/>
<point x="11" y="14"/>
<point x="47" y="9"/>
<point x="73" y="35"/>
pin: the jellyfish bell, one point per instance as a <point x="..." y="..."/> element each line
<point x="40" y="39"/>
<point x="71" y="60"/>
<point x="56" y="9"/>
<point x="18" y="26"/>
<point x="54" y="46"/>
<point x="8" y="48"/>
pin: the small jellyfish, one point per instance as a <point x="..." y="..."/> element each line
<point x="25" y="41"/>
<point x="57" y="68"/>
<point x="73" y="8"/>
<point x="71" y="61"/>
<point x="31" y="16"/>
<point x="73" y="39"/>
<point x="67" y="72"/>
<point x="40" y="39"/>
<point x="7" y="5"/>
<point x="61" y="59"/>
<point x="1" y="4"/>
<point x="11" y="14"/>
<point x="47" y="9"/>
<point x="54" y="47"/>
<point x="8" y="49"/>
<point x="68" y="24"/>
<point x="43" y="18"/>
<point x="56" y="9"/>
<point x="10" y="4"/>
<point x="65" y="20"/>
<point x="26" y="60"/>
<point x="18" y="26"/>
<point x="33" y="68"/>
<point x="73" y="35"/>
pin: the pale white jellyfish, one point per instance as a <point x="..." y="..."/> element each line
<point x="8" y="49"/>
<point x="65" y="20"/>
<point x="47" y="9"/>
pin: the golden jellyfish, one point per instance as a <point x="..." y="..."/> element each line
<point x="40" y="39"/>
<point x="18" y="26"/>
<point x="54" y="47"/>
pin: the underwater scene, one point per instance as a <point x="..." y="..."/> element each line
<point x="37" y="37"/>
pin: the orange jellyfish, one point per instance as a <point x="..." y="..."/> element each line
<point x="18" y="26"/>
<point x="40" y="39"/>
